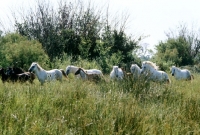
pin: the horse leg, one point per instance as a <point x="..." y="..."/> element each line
<point x="192" y="77"/>
<point x="32" y="77"/>
<point x="42" y="82"/>
<point x="60" y="79"/>
<point x="21" y="78"/>
<point x="168" y="81"/>
<point x="31" y="80"/>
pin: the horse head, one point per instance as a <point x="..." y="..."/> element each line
<point x="68" y="68"/>
<point x="10" y="71"/>
<point x="148" y="66"/>
<point x="173" y="70"/>
<point x="115" y="68"/>
<point x="82" y="73"/>
<point x="144" y="68"/>
<point x="33" y="67"/>
<point x="134" y="67"/>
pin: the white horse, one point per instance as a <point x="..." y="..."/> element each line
<point x="181" y="74"/>
<point x="88" y="76"/>
<point x="73" y="69"/>
<point x="43" y="75"/>
<point x="116" y="73"/>
<point x="150" y="69"/>
<point x="135" y="70"/>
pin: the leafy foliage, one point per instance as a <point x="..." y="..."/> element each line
<point x="182" y="49"/>
<point x="77" y="31"/>
<point x="15" y="48"/>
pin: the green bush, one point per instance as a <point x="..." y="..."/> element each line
<point x="15" y="48"/>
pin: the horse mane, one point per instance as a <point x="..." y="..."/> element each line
<point x="151" y="64"/>
<point x="78" y="71"/>
<point x="179" y="69"/>
<point x="83" y="70"/>
<point x="94" y="77"/>
<point x="38" y="66"/>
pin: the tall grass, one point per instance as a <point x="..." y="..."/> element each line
<point x="108" y="107"/>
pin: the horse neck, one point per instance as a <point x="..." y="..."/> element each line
<point x="116" y="71"/>
<point x="83" y="74"/>
<point x="177" y="70"/>
<point x="74" y="69"/>
<point x="138" y="69"/>
<point x="40" y="72"/>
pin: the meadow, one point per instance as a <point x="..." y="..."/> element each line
<point x="107" y="107"/>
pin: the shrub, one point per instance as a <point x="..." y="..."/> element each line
<point x="15" y="48"/>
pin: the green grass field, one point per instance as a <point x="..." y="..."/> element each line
<point x="81" y="107"/>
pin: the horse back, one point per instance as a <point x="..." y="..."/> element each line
<point x="18" y="70"/>
<point x="54" y="74"/>
<point x="185" y="73"/>
<point x="94" y="71"/>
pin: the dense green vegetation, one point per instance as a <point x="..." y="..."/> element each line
<point x="79" y="31"/>
<point x="15" y="48"/>
<point x="84" y="36"/>
<point x="180" y="49"/>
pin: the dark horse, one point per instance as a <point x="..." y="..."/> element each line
<point x="4" y="76"/>
<point x="17" y="74"/>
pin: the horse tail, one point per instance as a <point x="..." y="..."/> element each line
<point x="63" y="72"/>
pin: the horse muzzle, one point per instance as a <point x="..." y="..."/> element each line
<point x="172" y="74"/>
<point x="30" y="70"/>
<point x="142" y="72"/>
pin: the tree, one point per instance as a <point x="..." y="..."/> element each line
<point x="16" y="48"/>
<point x="181" y="49"/>
<point x="71" y="29"/>
<point x="80" y="32"/>
<point x="191" y="36"/>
